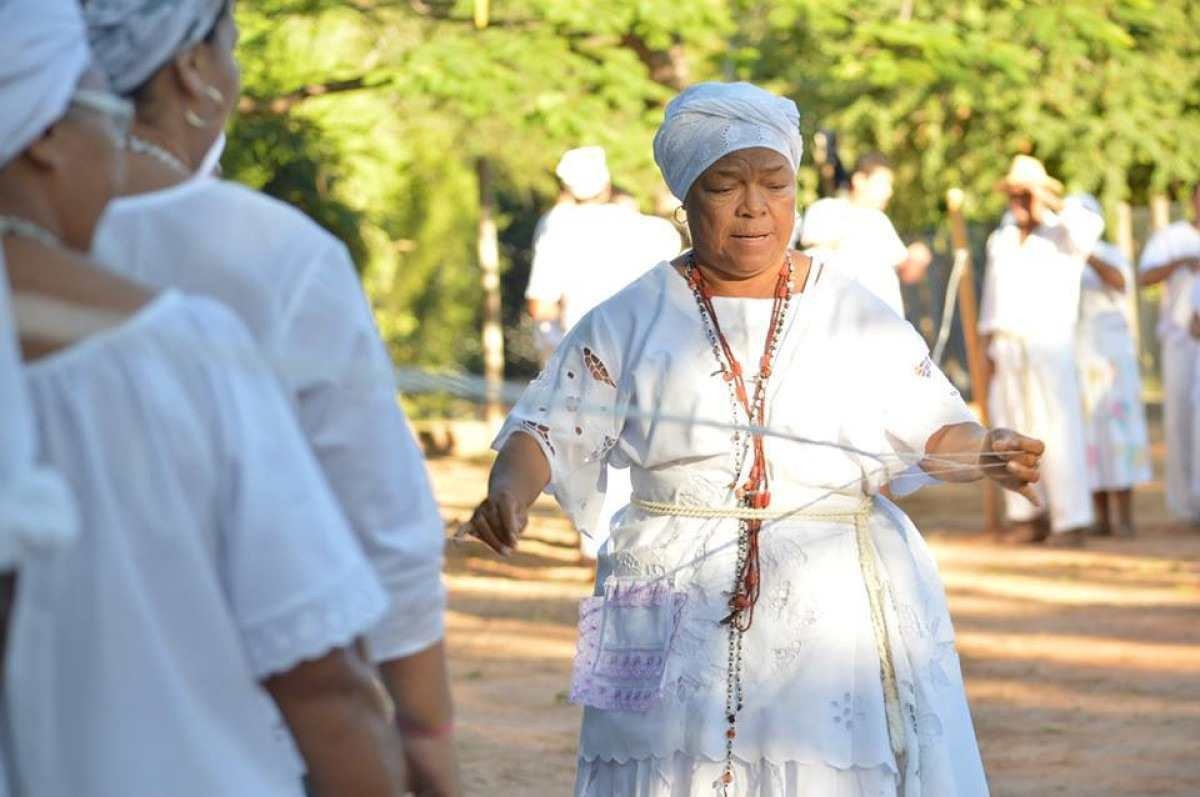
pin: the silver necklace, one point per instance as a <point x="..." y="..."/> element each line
<point x="141" y="146"/>
<point x="15" y="225"/>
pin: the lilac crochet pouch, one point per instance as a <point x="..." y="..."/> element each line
<point x="624" y="640"/>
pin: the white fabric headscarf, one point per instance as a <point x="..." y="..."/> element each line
<point x="709" y="120"/>
<point x="133" y="39"/>
<point x="45" y="53"/>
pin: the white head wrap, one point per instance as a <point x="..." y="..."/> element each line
<point x="133" y="39"/>
<point x="45" y="53"/>
<point x="584" y="171"/>
<point x="710" y="120"/>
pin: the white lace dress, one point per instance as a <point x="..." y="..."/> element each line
<point x="633" y="385"/>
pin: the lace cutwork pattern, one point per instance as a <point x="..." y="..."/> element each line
<point x="596" y="367"/>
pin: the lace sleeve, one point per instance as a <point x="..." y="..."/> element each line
<point x="918" y="400"/>
<point x="575" y="411"/>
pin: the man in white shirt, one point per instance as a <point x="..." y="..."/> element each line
<point x="1027" y="319"/>
<point x="585" y="253"/>
<point x="589" y="250"/>
<point x="855" y="236"/>
<point x="1172" y="255"/>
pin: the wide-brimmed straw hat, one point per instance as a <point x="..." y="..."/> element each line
<point x="1029" y="174"/>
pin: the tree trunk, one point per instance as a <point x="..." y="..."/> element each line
<point x="489" y="272"/>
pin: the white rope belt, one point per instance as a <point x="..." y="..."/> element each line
<point x="873" y="580"/>
<point x="748" y="513"/>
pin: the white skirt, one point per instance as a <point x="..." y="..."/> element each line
<point x="1118" y="446"/>
<point x="814" y="718"/>
<point x="682" y="776"/>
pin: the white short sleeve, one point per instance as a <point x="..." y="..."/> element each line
<point x="912" y="396"/>
<point x="341" y="374"/>
<point x="296" y="579"/>
<point x="1157" y="251"/>
<point x="575" y="411"/>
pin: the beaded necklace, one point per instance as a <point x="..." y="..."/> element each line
<point x="755" y="492"/>
<point x="15" y="225"/>
<point x="141" y="146"/>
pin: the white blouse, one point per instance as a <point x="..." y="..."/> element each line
<point x="294" y="286"/>
<point x="859" y="243"/>
<point x="1031" y="287"/>
<point x="1178" y="240"/>
<point x="1099" y="303"/>
<point x="212" y="556"/>
<point x="37" y="513"/>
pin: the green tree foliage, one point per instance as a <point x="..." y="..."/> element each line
<point x="371" y="114"/>
<point x="1106" y="92"/>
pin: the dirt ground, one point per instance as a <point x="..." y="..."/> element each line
<point x="1082" y="667"/>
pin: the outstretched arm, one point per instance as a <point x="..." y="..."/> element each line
<point x="518" y="476"/>
<point x="1002" y="455"/>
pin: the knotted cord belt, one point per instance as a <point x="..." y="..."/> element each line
<point x="873" y="581"/>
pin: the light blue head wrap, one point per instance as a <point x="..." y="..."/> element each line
<point x="709" y="120"/>
<point x="45" y="53"/>
<point x="133" y="39"/>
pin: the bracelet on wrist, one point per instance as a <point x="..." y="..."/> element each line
<point x="411" y="730"/>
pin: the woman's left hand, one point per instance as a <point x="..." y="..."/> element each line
<point x="1013" y="461"/>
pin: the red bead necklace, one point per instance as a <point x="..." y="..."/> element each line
<point x="755" y="493"/>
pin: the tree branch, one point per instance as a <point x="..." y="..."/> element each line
<point x="283" y="103"/>
<point x="667" y="67"/>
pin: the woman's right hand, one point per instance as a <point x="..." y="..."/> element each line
<point x="498" y="522"/>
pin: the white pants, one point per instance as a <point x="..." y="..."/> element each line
<point x="1179" y="430"/>
<point x="1036" y="392"/>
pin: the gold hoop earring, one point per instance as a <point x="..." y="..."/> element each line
<point x="679" y="221"/>
<point x="193" y="119"/>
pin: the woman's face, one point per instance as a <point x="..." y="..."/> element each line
<point x="741" y="211"/>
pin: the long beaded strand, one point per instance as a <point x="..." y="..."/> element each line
<point x="755" y="492"/>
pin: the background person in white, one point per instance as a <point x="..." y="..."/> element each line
<point x="1173" y="255"/>
<point x="212" y="572"/>
<point x="586" y="253"/>
<point x="855" y="237"/>
<point x="1118" y="447"/>
<point x="1028" y="317"/>
<point x="295" y="288"/>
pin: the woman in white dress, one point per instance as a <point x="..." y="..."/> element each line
<point x="295" y="287"/>
<point x="201" y="631"/>
<point x="764" y="622"/>
<point x="1118" y="447"/>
